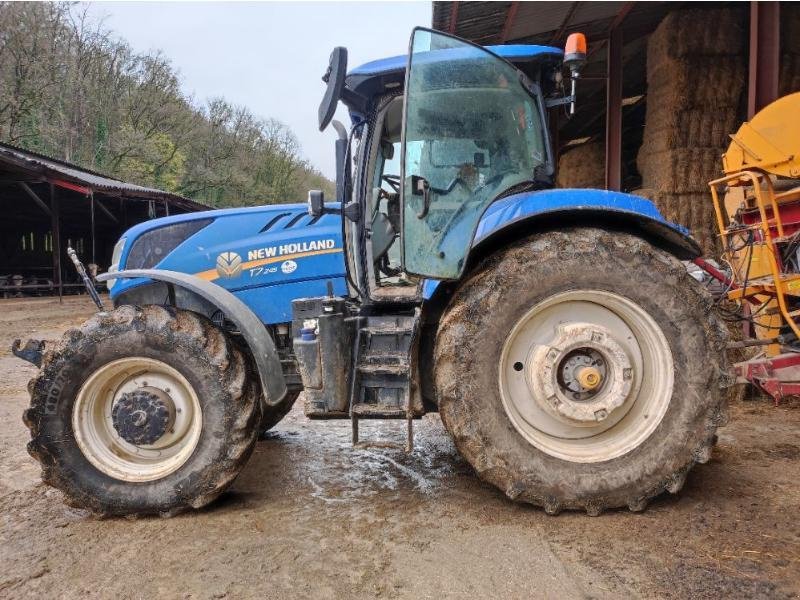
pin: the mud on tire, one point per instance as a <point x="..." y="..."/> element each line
<point x="275" y="414"/>
<point x="185" y="341"/>
<point x="482" y="313"/>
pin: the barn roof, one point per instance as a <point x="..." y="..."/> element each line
<point x="37" y="166"/>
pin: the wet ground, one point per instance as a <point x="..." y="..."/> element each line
<point x="311" y="517"/>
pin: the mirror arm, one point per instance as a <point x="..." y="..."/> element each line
<point x="551" y="102"/>
<point x="354" y="100"/>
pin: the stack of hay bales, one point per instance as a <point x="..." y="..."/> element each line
<point x="582" y="167"/>
<point x="789" y="77"/>
<point x="696" y="74"/>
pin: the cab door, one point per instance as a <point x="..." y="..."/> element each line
<point x="472" y="131"/>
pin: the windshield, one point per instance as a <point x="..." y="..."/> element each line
<point x="472" y="131"/>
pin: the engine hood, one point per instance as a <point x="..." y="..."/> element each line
<point x="243" y="250"/>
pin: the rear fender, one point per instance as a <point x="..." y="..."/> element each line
<point x="529" y="210"/>
<point x="521" y="215"/>
<point x="250" y="326"/>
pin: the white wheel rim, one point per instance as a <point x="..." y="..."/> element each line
<point x="103" y="446"/>
<point x="539" y="393"/>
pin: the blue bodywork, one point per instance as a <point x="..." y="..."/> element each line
<point x="268" y="239"/>
<point x="262" y="283"/>
<point x="514" y="53"/>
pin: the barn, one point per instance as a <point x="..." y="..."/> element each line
<point x="48" y="204"/>
<point x="664" y="85"/>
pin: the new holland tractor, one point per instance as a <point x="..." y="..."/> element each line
<point x="574" y="361"/>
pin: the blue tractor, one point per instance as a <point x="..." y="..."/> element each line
<point x="573" y="360"/>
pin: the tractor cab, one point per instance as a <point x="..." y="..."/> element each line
<point x="436" y="137"/>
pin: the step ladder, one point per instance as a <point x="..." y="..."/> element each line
<point x="382" y="383"/>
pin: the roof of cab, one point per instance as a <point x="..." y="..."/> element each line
<point x="378" y="75"/>
<point x="515" y="53"/>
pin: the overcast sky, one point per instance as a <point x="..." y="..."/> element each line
<point x="267" y="56"/>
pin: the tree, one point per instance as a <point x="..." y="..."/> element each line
<point x="71" y="90"/>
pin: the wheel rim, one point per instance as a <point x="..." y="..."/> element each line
<point x="586" y="376"/>
<point x="137" y="419"/>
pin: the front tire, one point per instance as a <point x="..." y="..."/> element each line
<point x="596" y="365"/>
<point x="143" y="411"/>
<point x="275" y="414"/>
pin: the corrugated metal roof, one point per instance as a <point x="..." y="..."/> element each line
<point x="45" y="167"/>
<point x="540" y="22"/>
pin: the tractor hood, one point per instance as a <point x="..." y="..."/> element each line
<point x="243" y="250"/>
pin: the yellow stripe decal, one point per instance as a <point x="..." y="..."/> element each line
<point x="212" y="274"/>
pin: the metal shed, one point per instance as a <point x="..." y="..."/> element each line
<point x="613" y="90"/>
<point x="49" y="204"/>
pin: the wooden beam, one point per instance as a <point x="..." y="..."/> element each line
<point x="565" y="23"/>
<point x="56" y="226"/>
<point x="106" y="211"/>
<point x="91" y="219"/>
<point x="39" y="202"/>
<point x="68" y="185"/>
<point x="511" y="15"/>
<point x="765" y="30"/>
<point x="614" y="112"/>
<point x="623" y="12"/>
<point x="451" y="26"/>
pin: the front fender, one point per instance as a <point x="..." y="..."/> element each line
<point x="252" y="329"/>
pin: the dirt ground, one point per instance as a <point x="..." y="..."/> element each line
<point x="312" y="517"/>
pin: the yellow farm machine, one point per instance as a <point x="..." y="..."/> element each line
<point x="757" y="206"/>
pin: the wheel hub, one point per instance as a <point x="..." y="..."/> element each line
<point x="143" y="416"/>
<point x="582" y="375"/>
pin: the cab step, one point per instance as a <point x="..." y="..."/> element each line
<point x="382" y="382"/>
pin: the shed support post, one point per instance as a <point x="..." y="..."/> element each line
<point x="614" y="112"/>
<point x="56" y="225"/>
<point x="91" y="208"/>
<point x="765" y="29"/>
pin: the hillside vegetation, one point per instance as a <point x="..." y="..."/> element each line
<point x="72" y="90"/>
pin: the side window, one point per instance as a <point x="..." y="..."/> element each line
<point x="471" y="132"/>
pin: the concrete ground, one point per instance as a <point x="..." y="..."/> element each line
<point x="312" y="517"/>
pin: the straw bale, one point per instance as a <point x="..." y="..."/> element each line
<point x="789" y="76"/>
<point x="700" y="31"/>
<point x="680" y="171"/>
<point x="582" y="167"/>
<point x="694" y="211"/>
<point x="690" y="128"/>
<point x="790" y="27"/>
<point x="696" y="82"/>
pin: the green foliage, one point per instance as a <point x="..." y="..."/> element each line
<point x="71" y="90"/>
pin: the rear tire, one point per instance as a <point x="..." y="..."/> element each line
<point x="198" y="385"/>
<point x="511" y="419"/>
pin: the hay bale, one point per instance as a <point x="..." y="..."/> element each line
<point x="667" y="129"/>
<point x="695" y="211"/>
<point x="700" y="31"/>
<point x="789" y="76"/>
<point x="582" y="167"/>
<point x="790" y="27"/>
<point x="696" y="82"/>
<point x="681" y="171"/>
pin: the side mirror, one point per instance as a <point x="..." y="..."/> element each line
<point x="334" y="77"/>
<point x="316" y="203"/>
